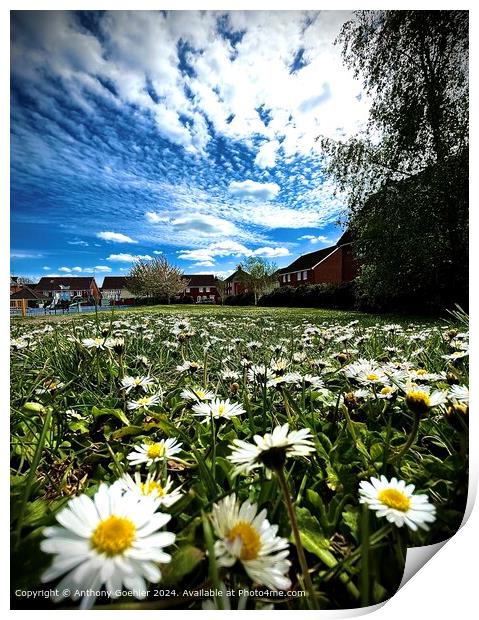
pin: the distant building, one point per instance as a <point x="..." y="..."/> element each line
<point x="115" y="291"/>
<point x="202" y="288"/>
<point x="328" y="265"/>
<point x="85" y="287"/>
<point x="234" y="284"/>
<point x="25" y="292"/>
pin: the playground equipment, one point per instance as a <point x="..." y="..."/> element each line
<point x="61" y="302"/>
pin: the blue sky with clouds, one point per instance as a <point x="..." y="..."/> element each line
<point x="186" y="133"/>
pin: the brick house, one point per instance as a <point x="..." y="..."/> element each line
<point x="202" y="288"/>
<point x="26" y="293"/>
<point x="234" y="284"/>
<point x="327" y="265"/>
<point x="114" y="291"/>
<point x="85" y="287"/>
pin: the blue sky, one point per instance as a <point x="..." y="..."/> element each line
<point x="189" y="134"/>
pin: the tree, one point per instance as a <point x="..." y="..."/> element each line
<point x="156" y="278"/>
<point x="24" y="280"/>
<point x="221" y="288"/>
<point x="258" y="275"/>
<point x="406" y="174"/>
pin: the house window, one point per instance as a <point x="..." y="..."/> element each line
<point x="305" y="275"/>
<point x="288" y="277"/>
<point x="207" y="289"/>
<point x="212" y="296"/>
<point x="187" y="289"/>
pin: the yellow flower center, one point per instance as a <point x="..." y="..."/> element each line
<point x="372" y="377"/>
<point x="98" y="340"/>
<point x="421" y="372"/>
<point x="113" y="535"/>
<point x="152" y="487"/>
<point x="418" y="400"/>
<point x="221" y="409"/>
<point x="386" y="390"/>
<point x="394" y="499"/>
<point x="143" y="401"/>
<point x="155" y="451"/>
<point x="250" y="540"/>
<point x="458" y="408"/>
<point x="137" y="381"/>
<point x="200" y="393"/>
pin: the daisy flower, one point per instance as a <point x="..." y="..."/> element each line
<point x="459" y="393"/>
<point x="248" y="537"/>
<point x="153" y="452"/>
<point x="420" y="399"/>
<point x="94" y="343"/>
<point x="395" y="501"/>
<point x="151" y="487"/>
<point x="387" y="392"/>
<point x="50" y="386"/>
<point x="271" y="450"/>
<point x="112" y="539"/>
<point x="312" y="381"/>
<point x="188" y="366"/>
<point x="129" y="383"/>
<point x="218" y="409"/>
<point x="197" y="394"/>
<point x="144" y="402"/>
<point x="456" y="355"/>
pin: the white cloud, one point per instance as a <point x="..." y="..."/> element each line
<point x="316" y="239"/>
<point x="266" y="155"/>
<point x="103" y="268"/>
<point x="84" y="243"/>
<point x="65" y="269"/>
<point x="157" y="252"/>
<point x="277" y="216"/>
<point x="220" y="248"/>
<point x="228" y="84"/>
<point x="206" y="256"/>
<point x="271" y="252"/>
<point x="154" y="218"/>
<point x="128" y="258"/>
<point x="46" y="268"/>
<point x="205" y="225"/>
<point x="204" y="263"/>
<point x="78" y="269"/>
<point x="115" y="237"/>
<point x="15" y="254"/>
<point x="254" y="190"/>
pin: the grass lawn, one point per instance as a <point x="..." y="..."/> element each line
<point x="171" y="454"/>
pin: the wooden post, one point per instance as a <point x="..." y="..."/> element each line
<point x="23" y="303"/>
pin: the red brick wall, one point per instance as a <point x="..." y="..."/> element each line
<point x="294" y="279"/>
<point x="195" y="293"/>
<point x="350" y="264"/>
<point x="330" y="269"/>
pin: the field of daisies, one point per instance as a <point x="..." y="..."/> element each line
<point x="231" y="459"/>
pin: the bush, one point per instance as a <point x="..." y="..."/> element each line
<point x="185" y="299"/>
<point x="336" y="295"/>
<point x="244" y="299"/>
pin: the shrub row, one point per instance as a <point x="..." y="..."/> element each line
<point x="341" y="296"/>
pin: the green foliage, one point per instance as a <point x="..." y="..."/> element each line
<point x="258" y="275"/>
<point x="406" y="174"/>
<point x="341" y="295"/>
<point x="156" y="278"/>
